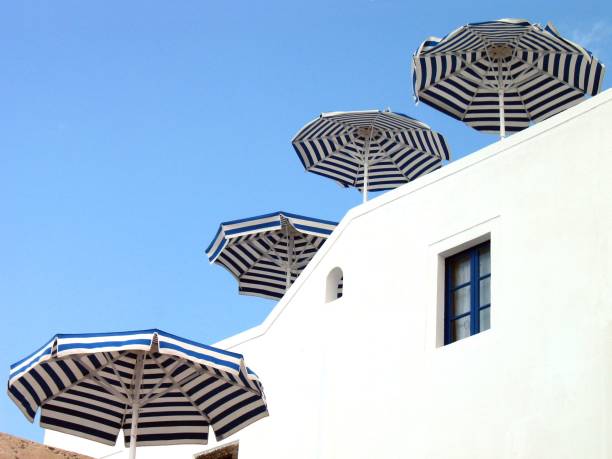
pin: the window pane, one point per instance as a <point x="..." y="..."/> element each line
<point x="461" y="301"/>
<point x="460" y="267"/>
<point x="460" y="328"/>
<point x="485" y="260"/>
<point x="485" y="319"/>
<point x="485" y="291"/>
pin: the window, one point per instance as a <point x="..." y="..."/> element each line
<point x="468" y="293"/>
<point x="334" y="285"/>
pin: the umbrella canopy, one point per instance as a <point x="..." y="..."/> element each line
<point x="170" y="388"/>
<point x="369" y="150"/>
<point x="502" y="75"/>
<point x="267" y="253"/>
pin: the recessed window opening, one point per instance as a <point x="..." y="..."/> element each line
<point x="334" y="285"/>
<point x="468" y="293"/>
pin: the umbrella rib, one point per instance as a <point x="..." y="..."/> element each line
<point x="521" y="74"/>
<point x="484" y="40"/>
<point x="278" y="255"/>
<point x="331" y="138"/>
<point x="340" y="150"/>
<point x="515" y="40"/>
<point x="264" y="255"/>
<point x="347" y="152"/>
<point x="550" y="75"/>
<point x="125" y="389"/>
<point x="267" y="257"/>
<point x="521" y="98"/>
<point x="455" y="73"/>
<point x="301" y="265"/>
<point x="278" y="261"/>
<point x="394" y="163"/>
<point x="309" y="242"/>
<point x="149" y="397"/>
<point x="180" y="389"/>
<point x="360" y="170"/>
<point x="103" y="383"/>
<point x="408" y="144"/>
<point x="80" y="380"/>
<point x="467" y="109"/>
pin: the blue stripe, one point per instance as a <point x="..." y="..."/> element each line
<point x="214" y="239"/>
<point x="245" y="229"/>
<point x="200" y="355"/>
<point x="278" y="213"/>
<point x="243" y="220"/>
<point x="30" y="365"/>
<point x="219" y="249"/>
<point x="313" y="229"/>
<point x="203" y="346"/>
<point x="318" y="220"/>
<point x="50" y="342"/>
<point x="105" y="334"/>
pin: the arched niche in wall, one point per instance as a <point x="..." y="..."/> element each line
<point x="334" y="285"/>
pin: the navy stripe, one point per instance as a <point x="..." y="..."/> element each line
<point x="52" y="408"/>
<point x="22" y="400"/>
<point x="239" y="420"/>
<point x="50" y="422"/>
<point x="166" y="438"/>
<point x="91" y="406"/>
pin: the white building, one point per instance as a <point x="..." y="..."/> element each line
<point x="368" y="375"/>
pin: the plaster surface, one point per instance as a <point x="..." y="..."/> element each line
<point x="367" y="375"/>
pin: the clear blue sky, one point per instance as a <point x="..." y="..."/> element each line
<point x="129" y="130"/>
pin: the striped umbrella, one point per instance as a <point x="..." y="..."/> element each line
<point x="267" y="253"/>
<point x="369" y="150"/>
<point x="502" y="75"/>
<point x="171" y="389"/>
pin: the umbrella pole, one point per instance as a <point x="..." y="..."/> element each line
<point x="502" y="117"/>
<point x="289" y="257"/>
<point x="136" y="404"/>
<point x="366" y="163"/>
<point x="365" y="176"/>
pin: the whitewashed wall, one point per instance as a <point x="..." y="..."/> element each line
<point x="366" y="376"/>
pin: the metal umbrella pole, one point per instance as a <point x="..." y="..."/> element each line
<point x="502" y="117"/>
<point x="366" y="160"/>
<point x="290" y="250"/>
<point x="365" y="172"/>
<point x="136" y="403"/>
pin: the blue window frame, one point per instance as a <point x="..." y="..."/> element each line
<point x="468" y="293"/>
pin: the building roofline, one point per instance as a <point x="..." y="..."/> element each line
<point x="448" y="170"/>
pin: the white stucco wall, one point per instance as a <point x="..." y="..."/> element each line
<point x="366" y="376"/>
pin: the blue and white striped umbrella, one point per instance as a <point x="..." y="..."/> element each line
<point x="503" y="75"/>
<point x="369" y="150"/>
<point x="172" y="389"/>
<point x="268" y="252"/>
